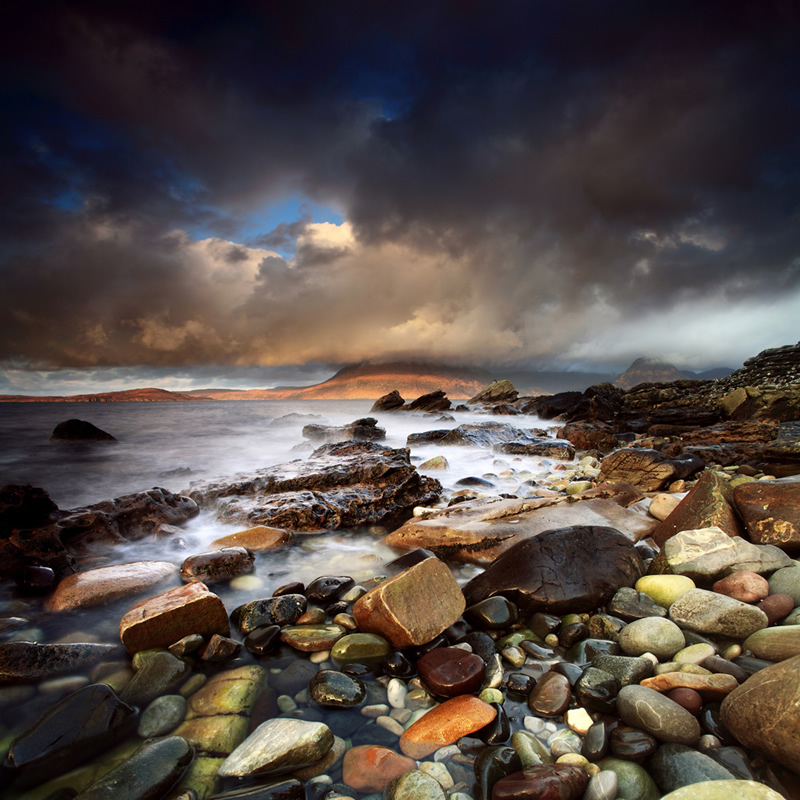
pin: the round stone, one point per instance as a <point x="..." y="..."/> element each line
<point x="774" y="644"/>
<point x="551" y="696"/>
<point x="749" y="587"/>
<point x="414" y="785"/>
<point x="333" y="689"/>
<point x="656" y="635"/>
<point x="492" y="613"/>
<point x="664" y="589"/>
<point x="163" y="715"/>
<point x="312" y="638"/>
<point x="449" y="671"/>
<point x="777" y="607"/>
<point x="602" y="786"/>
<point x="633" y="780"/>
<point x="659" y="716"/>
<point x="543" y="781"/>
<point x="631" y="744"/>
<point x="369" y="768"/>
<point x="362" y="648"/>
<point x="724" y="790"/>
<point x="690" y="699"/>
<point x="786" y="581"/>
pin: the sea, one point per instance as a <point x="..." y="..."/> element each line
<point x="172" y="444"/>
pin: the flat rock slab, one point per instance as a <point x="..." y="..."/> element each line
<point x="339" y="485"/>
<point x="105" y="584"/>
<point x="413" y="607"/>
<point x="771" y="512"/>
<point x="571" y="569"/>
<point x="647" y="469"/>
<point x="716" y="615"/>
<point x="257" y="539"/>
<point x="34" y="661"/>
<point x="478" y="532"/>
<point x="163" y="620"/>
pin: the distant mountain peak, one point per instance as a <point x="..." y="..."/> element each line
<point x="651" y="370"/>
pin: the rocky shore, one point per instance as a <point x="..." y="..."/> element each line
<point x="622" y="623"/>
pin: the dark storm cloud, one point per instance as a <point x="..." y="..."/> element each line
<point x="519" y="177"/>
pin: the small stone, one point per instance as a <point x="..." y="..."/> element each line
<point x="414" y="785"/>
<point x="663" y="504"/>
<point x="312" y="638"/>
<point x="774" y="644"/>
<point x="448" y="671"/>
<point x="362" y="648"/>
<point x="711" y="687"/>
<point x="257" y="539"/>
<point x="632" y="744"/>
<point x="633" y="781"/>
<point x="220" y="648"/>
<point x="776" y="607"/>
<point x="602" y="786"/>
<point x="491" y="613"/>
<point x="160" y="673"/>
<point x="626" y="669"/>
<point x="163" y="715"/>
<point x="562" y="781"/>
<point x="445" y="724"/>
<point x="333" y="689"/>
<point x="277" y="746"/>
<point x="690" y="699"/>
<point x="786" y="581"/>
<point x="749" y="587"/>
<point x="370" y="768"/>
<point x="578" y="720"/>
<point x="724" y="790"/>
<point x="656" y="635"/>
<point x="675" y="765"/>
<point x="659" y="716"/>
<point x="551" y="695"/>
<point x="664" y="589"/>
<point x="694" y="653"/>
<point x="217" y="565"/>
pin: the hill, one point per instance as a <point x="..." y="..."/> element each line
<point x="650" y="370"/>
<point x="149" y="395"/>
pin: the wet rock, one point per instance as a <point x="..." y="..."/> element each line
<point x="370" y="768"/>
<point x="217" y="565"/>
<point x="220" y="648"/>
<point x="602" y="786"/>
<point x="328" y="588"/>
<point x="493" y="613"/>
<point x="551" y="696"/>
<point x="661" y="637"/>
<point x="437" y="462"/>
<point x="546" y="781"/>
<point x="710" y="687"/>
<point x="79" y="727"/>
<point x="715" y="614"/>
<point x="360" y="648"/>
<point x="449" y="671"/>
<point x="78" y="430"/>
<point x="35" y="661"/>
<point x="659" y="716"/>
<point x="414" y="785"/>
<point x="389" y="402"/>
<point x="708" y="504"/>
<point x="568" y="570"/>
<point x="106" y="584"/>
<point x="217" y="721"/>
<point x="589" y="435"/>
<point x="279" y="789"/>
<point x="150" y="772"/>
<point x="491" y="765"/>
<point x="596" y="690"/>
<point x="413" y="607"/>
<point x="771" y="512"/>
<point x="344" y="484"/>
<point x="445" y="724"/>
<point x="163" y="715"/>
<point x="168" y="617"/>
<point x="630" y="604"/>
<point x="626" y="670"/>
<point x="547" y="448"/>
<point x="675" y="765"/>
<point x="160" y="673"/>
<point x="632" y="744"/>
<point x="263" y="640"/>
<point x="647" y="469"/>
<point x="284" y="609"/>
<point x="257" y="539"/>
<point x="432" y="401"/>
<point x="312" y="638"/>
<point x="362" y="430"/>
<point x="278" y="746"/>
<point x="333" y="689"/>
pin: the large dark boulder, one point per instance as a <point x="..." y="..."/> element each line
<point x="24" y="507"/>
<point x="569" y="569"/>
<point x="389" y="402"/>
<point x="433" y="401"/>
<point x="339" y="485"/>
<point x="553" y="405"/>
<point x="78" y="430"/>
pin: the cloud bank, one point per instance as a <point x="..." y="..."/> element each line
<point x="523" y="184"/>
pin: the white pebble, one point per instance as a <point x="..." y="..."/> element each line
<point x="391" y="725"/>
<point x="286" y="703"/>
<point x="375" y="711"/>
<point x="402" y="715"/>
<point x="533" y="724"/>
<point x="437" y="771"/>
<point x="443" y="753"/>
<point x="396" y="692"/>
<point x="319" y="656"/>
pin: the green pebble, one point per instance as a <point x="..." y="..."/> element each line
<point x="634" y="781"/>
<point x="530" y="750"/>
<point x="492" y="696"/>
<point x="518" y="636"/>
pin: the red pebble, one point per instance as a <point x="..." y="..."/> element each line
<point x="746" y="586"/>
<point x="776" y="606"/>
<point x="688" y="699"/>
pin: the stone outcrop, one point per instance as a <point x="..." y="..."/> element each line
<point x="389" y="402"/>
<point x="344" y="484"/>
<point x="78" y="430"/>
<point x="496" y="392"/>
<point x="362" y="430"/>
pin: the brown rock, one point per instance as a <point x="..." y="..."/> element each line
<point x="257" y="539"/>
<point x="413" y="607"/>
<point x="551" y="696"/>
<point x="450" y="671"/>
<point x="764" y="713"/>
<point x="105" y="584"/>
<point x="544" y="782"/>
<point x="217" y="565"/>
<point x="647" y="469"/>
<point x="710" y="687"/>
<point x="777" y="606"/>
<point x="749" y="587"/>
<point x="369" y="768"/>
<point x="162" y="620"/>
<point x="445" y="724"/>
<point x="771" y="512"/>
<point x="708" y="504"/>
<point x="589" y="435"/>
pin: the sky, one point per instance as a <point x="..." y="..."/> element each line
<point x="200" y="194"/>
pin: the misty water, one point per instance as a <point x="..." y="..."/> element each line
<point x="172" y="444"/>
